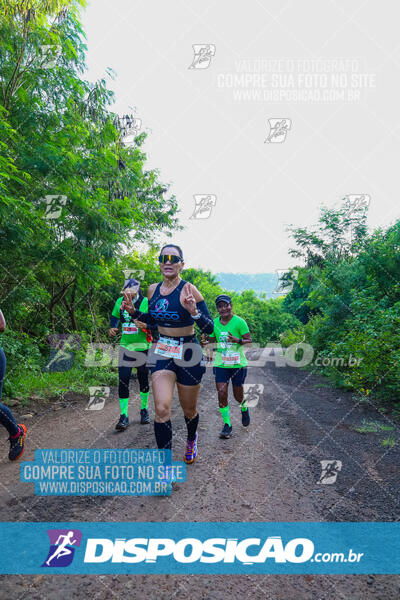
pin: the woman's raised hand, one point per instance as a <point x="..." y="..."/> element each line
<point x="189" y="299"/>
<point x="128" y="305"/>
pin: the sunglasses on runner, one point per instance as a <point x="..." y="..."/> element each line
<point x="172" y="258"/>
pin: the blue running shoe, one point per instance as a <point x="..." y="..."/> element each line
<point x="191" y="451"/>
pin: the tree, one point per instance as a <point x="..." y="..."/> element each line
<point x="338" y="235"/>
<point x="64" y="152"/>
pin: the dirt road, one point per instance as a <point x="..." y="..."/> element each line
<point x="267" y="472"/>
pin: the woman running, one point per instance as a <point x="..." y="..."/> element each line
<point x="175" y="305"/>
<point x="231" y="333"/>
<point x="16" y="432"/>
<point x="135" y="341"/>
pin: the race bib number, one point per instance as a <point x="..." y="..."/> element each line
<point x="169" y="348"/>
<point x="129" y="329"/>
<point x="230" y="357"/>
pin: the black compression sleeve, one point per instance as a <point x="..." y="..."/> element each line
<point x="144" y="317"/>
<point x="205" y="322"/>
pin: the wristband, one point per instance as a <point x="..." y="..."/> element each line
<point x="240" y="341"/>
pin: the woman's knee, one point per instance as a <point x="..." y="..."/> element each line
<point x="190" y="411"/>
<point x="143" y="379"/>
<point x="238" y="392"/>
<point x="222" y="395"/>
<point x="162" y="406"/>
<point x="162" y="411"/>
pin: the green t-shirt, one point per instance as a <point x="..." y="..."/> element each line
<point x="132" y="338"/>
<point x="229" y="356"/>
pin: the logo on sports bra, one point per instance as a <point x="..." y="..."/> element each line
<point x="161" y="305"/>
<point x="158" y="315"/>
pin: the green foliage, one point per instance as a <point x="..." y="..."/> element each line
<point x="22" y="352"/>
<point x="353" y="297"/>
<point x="292" y="336"/>
<point x="34" y="383"/>
<point x="266" y="318"/>
<point x="61" y="269"/>
<point x="372" y="427"/>
<point x="296" y="302"/>
<point x="59" y="139"/>
<point x="338" y="235"/>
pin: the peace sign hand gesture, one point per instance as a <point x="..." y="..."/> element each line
<point x="189" y="299"/>
<point x="127" y="304"/>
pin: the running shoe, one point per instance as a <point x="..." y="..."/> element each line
<point x="226" y="432"/>
<point x="168" y="489"/>
<point x="245" y="418"/>
<point x="191" y="451"/>
<point x="17" y="444"/>
<point x="144" y="416"/>
<point x="123" y="423"/>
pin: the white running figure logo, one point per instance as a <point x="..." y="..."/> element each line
<point x="203" y="53"/>
<point x="278" y="130"/>
<point x="62" y="550"/>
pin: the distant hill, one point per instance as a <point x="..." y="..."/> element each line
<point x="259" y="282"/>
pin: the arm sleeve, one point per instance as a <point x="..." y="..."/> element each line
<point x="145" y="317"/>
<point x="205" y="323"/>
<point x="114" y="322"/>
<point x="145" y="306"/>
<point x="115" y="316"/>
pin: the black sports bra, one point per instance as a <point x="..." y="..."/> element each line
<point x="168" y="311"/>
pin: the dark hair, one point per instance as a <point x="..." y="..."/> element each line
<point x="173" y="246"/>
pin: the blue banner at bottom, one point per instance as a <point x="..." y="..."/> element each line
<point x="181" y="547"/>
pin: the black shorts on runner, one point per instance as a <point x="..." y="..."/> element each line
<point x="237" y="374"/>
<point x="189" y="369"/>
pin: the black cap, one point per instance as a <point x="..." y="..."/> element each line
<point x="223" y="298"/>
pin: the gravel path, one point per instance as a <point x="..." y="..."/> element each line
<point x="267" y="472"/>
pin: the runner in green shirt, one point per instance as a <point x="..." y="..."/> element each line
<point x="230" y="332"/>
<point x="135" y="341"/>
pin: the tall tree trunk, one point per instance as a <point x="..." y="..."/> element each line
<point x="57" y="297"/>
<point x="71" y="307"/>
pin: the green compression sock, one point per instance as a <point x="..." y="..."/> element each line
<point x="123" y="402"/>
<point x="243" y="406"/>
<point x="225" y="415"/>
<point x="144" y="396"/>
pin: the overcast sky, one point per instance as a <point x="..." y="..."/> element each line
<point x="334" y="69"/>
